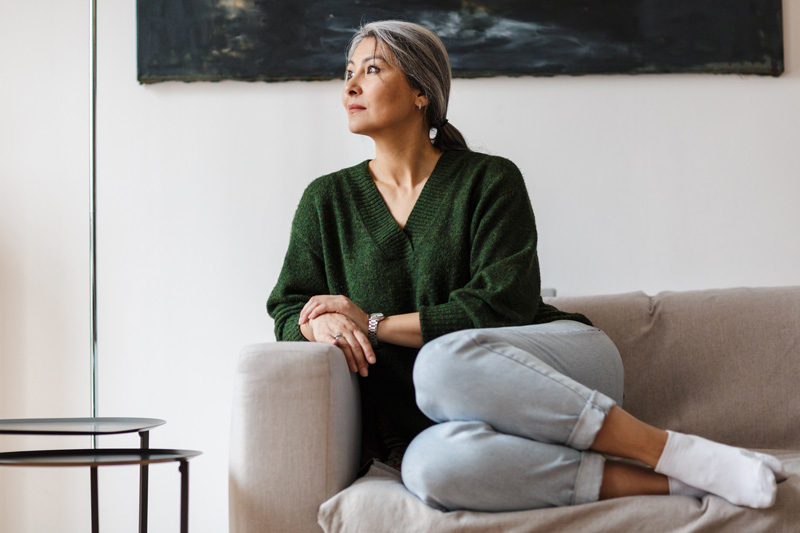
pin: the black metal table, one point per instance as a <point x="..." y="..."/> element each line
<point x="94" y="458"/>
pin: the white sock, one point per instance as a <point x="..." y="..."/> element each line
<point x="679" y="488"/>
<point x="773" y="463"/>
<point x="737" y="475"/>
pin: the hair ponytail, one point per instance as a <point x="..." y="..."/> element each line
<point x="447" y="137"/>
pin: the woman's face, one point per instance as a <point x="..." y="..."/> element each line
<point x="377" y="95"/>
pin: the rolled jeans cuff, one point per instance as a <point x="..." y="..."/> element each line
<point x="590" y="421"/>
<point x="589" y="478"/>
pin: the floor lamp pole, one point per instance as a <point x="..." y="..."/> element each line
<point x="92" y="211"/>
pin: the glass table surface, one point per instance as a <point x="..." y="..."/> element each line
<point x="77" y="426"/>
<point x="94" y="457"/>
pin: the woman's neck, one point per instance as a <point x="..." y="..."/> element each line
<point x="404" y="166"/>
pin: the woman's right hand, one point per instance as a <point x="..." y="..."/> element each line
<point x="341" y="331"/>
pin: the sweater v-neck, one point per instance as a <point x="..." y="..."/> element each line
<point x="396" y="241"/>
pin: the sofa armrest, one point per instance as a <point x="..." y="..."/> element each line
<point x="295" y="435"/>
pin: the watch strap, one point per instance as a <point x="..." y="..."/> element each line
<point x="372" y="328"/>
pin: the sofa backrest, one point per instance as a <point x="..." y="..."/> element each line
<point x="724" y="364"/>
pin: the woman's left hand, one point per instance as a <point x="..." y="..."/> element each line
<point x="326" y="303"/>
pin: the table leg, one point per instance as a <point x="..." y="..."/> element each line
<point x="184" y="468"/>
<point x="95" y="510"/>
<point x="144" y="476"/>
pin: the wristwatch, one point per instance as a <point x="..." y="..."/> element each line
<point x="372" y="330"/>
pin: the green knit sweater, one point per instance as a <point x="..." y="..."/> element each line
<point x="465" y="259"/>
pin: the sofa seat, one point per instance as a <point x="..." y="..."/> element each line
<point x="378" y="502"/>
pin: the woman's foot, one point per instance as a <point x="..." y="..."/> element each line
<point x="740" y="476"/>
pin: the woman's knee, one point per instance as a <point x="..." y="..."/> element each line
<point x="469" y="465"/>
<point x="437" y="463"/>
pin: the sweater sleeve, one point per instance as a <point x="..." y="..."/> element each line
<point x="303" y="272"/>
<point x="505" y="285"/>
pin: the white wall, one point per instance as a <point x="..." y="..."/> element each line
<point x="647" y="182"/>
<point x="44" y="223"/>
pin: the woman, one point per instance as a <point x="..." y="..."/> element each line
<point x="421" y="265"/>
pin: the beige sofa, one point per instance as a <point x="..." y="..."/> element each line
<point x="724" y="364"/>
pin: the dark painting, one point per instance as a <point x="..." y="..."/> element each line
<point x="194" y="40"/>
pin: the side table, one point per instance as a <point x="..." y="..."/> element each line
<point x="97" y="457"/>
<point x="107" y="457"/>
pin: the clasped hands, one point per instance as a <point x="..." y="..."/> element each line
<point x="336" y="320"/>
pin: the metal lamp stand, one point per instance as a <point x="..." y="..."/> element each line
<point x="92" y="211"/>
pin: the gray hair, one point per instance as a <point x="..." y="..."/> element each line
<point x="421" y="56"/>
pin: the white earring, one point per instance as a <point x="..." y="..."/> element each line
<point x="419" y="106"/>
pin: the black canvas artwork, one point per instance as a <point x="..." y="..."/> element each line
<point x="273" y="40"/>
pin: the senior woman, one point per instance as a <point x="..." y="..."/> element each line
<point x="421" y="265"/>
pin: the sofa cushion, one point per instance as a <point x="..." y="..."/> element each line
<point x="380" y="502"/>
<point x="724" y="364"/>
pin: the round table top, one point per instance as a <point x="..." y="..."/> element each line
<point x="96" y="457"/>
<point x="77" y="426"/>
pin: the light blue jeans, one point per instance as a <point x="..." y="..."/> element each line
<point x="518" y="409"/>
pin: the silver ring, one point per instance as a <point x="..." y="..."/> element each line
<point x="337" y="336"/>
